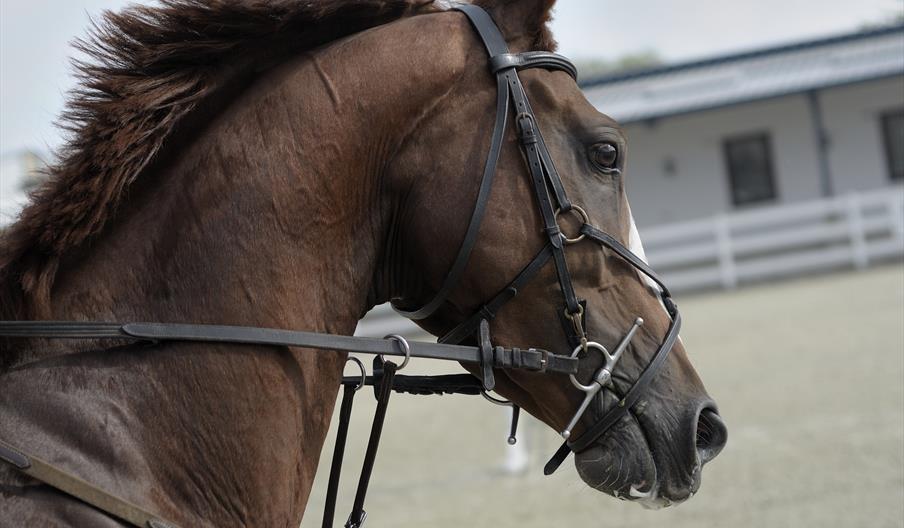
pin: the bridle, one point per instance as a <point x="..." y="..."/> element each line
<point x="512" y="98"/>
<point x="552" y="201"/>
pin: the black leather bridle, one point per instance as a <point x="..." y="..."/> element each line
<point x="552" y="201"/>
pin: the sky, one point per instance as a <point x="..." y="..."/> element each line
<point x="35" y="37"/>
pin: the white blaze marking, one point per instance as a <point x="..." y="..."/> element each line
<point x="636" y="247"/>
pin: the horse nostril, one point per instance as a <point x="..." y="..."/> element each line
<point x="711" y="434"/>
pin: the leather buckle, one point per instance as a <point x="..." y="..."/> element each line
<point x="487" y="378"/>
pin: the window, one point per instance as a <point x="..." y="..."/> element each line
<point x="893" y="136"/>
<point x="750" y="174"/>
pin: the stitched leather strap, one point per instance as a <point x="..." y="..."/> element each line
<point x="609" y="241"/>
<point x="426" y="385"/>
<point x="532" y="359"/>
<point x="533" y="59"/>
<point x="489" y="310"/>
<point x="77" y="488"/>
<point x="332" y="488"/>
<point x="480" y="206"/>
<point x="508" y="89"/>
<point x="615" y="414"/>
<point x="358" y="515"/>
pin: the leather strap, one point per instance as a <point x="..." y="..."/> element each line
<point x="533" y="59"/>
<point x="77" y="488"/>
<point x="508" y="87"/>
<point x="646" y="377"/>
<point x="634" y="393"/>
<point x="489" y="310"/>
<point x="425" y="385"/>
<point x="480" y="206"/>
<point x="615" y="414"/>
<point x="358" y="515"/>
<point x="532" y="359"/>
<point x="332" y="488"/>
<point x="610" y="242"/>
<point x="486" y="356"/>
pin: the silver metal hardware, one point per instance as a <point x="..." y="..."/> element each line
<point x="495" y="401"/>
<point x="405" y="348"/>
<point x="577" y="321"/>
<point x="582" y="214"/>
<point x="357" y="361"/>
<point x="603" y="376"/>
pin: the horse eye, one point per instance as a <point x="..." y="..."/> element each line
<point x="604" y="156"/>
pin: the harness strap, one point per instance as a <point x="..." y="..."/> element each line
<point x="358" y="515"/>
<point x="332" y="489"/>
<point x="504" y="66"/>
<point x="532" y="59"/>
<point x="487" y="378"/>
<point x="425" y="385"/>
<point x="489" y="310"/>
<point x="531" y="359"/>
<point x="77" y="488"/>
<point x="615" y="414"/>
<point x="483" y="197"/>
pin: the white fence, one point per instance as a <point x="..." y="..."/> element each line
<point x="850" y="231"/>
<point x="854" y="230"/>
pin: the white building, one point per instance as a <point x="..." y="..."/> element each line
<point x="765" y="164"/>
<point x="775" y="126"/>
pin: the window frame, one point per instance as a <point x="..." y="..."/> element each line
<point x="884" y="120"/>
<point x="765" y="138"/>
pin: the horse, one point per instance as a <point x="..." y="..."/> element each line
<point x="292" y="164"/>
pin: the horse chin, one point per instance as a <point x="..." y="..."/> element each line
<point x="622" y="465"/>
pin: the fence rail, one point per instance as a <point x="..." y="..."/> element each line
<point x="853" y="231"/>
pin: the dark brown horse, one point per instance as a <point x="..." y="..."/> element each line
<point x="292" y="164"/>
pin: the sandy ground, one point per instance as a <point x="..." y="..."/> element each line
<point x="808" y="374"/>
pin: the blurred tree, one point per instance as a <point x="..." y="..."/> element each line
<point x="640" y="60"/>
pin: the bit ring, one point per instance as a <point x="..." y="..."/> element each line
<point x="577" y="350"/>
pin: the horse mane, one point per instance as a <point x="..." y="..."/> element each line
<point x="147" y="69"/>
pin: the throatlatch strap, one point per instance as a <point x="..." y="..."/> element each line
<point x="332" y="489"/>
<point x="358" y="515"/>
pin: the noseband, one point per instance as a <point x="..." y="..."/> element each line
<point x="552" y="201"/>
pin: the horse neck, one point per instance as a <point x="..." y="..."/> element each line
<point x="256" y="223"/>
<point x="274" y="216"/>
<point x="280" y="214"/>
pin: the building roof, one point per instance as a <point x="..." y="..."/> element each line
<point x="750" y="76"/>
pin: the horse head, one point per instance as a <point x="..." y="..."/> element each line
<point x="574" y="206"/>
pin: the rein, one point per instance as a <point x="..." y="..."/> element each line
<point x="552" y="201"/>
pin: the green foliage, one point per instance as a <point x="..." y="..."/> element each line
<point x="631" y="62"/>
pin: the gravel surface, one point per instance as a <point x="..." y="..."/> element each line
<point x="809" y="375"/>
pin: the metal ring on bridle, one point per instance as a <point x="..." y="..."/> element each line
<point x="405" y="348"/>
<point x="577" y="350"/>
<point x="584" y="220"/>
<point x="495" y="401"/>
<point x="363" y="372"/>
